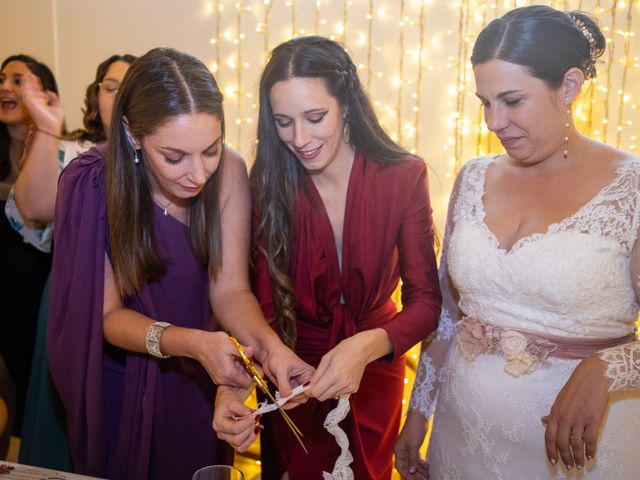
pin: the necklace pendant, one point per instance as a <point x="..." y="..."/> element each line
<point x="165" y="208"/>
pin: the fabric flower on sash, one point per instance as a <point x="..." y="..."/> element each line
<point x="522" y="352"/>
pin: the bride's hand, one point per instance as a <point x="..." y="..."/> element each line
<point x="573" y="424"/>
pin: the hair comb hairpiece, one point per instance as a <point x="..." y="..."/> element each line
<point x="591" y="68"/>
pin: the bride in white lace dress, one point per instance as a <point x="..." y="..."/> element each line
<point x="540" y="275"/>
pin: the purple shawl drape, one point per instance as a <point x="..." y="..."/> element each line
<point x="125" y="410"/>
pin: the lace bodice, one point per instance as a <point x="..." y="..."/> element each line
<point x="574" y="280"/>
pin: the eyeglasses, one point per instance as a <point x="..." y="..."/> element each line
<point x="109" y="87"/>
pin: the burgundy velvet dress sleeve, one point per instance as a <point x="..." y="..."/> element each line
<point x="421" y="298"/>
<point x="387" y="234"/>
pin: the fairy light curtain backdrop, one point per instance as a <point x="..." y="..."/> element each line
<point x="412" y="56"/>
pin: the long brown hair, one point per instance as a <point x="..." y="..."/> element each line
<point x="277" y="175"/>
<point x="93" y="130"/>
<point x="160" y="85"/>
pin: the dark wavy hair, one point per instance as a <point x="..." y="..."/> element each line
<point x="546" y="41"/>
<point x="48" y="81"/>
<point x="93" y="130"/>
<point x="160" y="85"/>
<point x="277" y="175"/>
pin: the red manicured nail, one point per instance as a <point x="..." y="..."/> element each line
<point x="258" y="417"/>
<point x="258" y="429"/>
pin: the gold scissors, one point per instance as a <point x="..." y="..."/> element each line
<point x="262" y="385"/>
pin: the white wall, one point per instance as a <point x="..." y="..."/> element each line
<point x="74" y="36"/>
<point x="28" y="27"/>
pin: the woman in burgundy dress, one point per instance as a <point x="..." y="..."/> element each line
<point x="341" y="214"/>
<point x="152" y="243"/>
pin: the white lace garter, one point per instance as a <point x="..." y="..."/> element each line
<point x="341" y="469"/>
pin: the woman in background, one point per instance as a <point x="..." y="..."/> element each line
<point x="24" y="269"/>
<point x="30" y="208"/>
<point x="31" y="205"/>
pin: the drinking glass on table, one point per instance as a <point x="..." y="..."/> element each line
<point x="218" y="472"/>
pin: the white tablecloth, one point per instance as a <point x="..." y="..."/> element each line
<point x="27" y="472"/>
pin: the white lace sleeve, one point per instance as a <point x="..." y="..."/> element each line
<point x="434" y="350"/>
<point x="623" y="361"/>
<point x="623" y="366"/>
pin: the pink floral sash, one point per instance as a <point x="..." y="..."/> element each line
<point x="523" y="350"/>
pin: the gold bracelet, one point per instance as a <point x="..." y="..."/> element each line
<point x="48" y="133"/>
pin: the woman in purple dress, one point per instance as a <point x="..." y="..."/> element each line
<point x="151" y="255"/>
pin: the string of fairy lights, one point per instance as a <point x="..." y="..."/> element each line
<point x="412" y="56"/>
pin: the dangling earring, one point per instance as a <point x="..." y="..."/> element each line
<point x="136" y="159"/>
<point x="565" y="154"/>
<point x="346" y="131"/>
